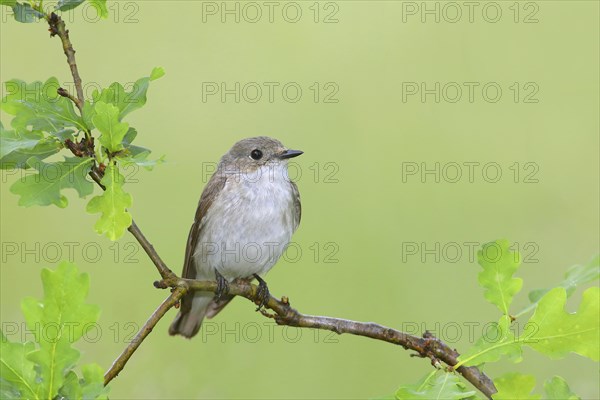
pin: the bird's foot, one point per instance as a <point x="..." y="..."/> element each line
<point x="262" y="294"/>
<point x="222" y="286"/>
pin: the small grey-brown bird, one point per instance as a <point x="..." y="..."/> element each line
<point x="246" y="216"/>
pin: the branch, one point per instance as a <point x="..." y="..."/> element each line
<point x="58" y="28"/>
<point x="120" y="362"/>
<point x="162" y="268"/>
<point x="427" y="346"/>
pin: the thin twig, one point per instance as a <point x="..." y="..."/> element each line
<point x="65" y="93"/>
<point x="58" y="28"/>
<point x="97" y="175"/>
<point x="120" y="362"/>
<point x="162" y="268"/>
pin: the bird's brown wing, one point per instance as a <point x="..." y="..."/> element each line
<point x="210" y="192"/>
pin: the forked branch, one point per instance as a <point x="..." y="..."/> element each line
<point x="427" y="346"/>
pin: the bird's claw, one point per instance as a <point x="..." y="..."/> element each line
<point x="262" y="294"/>
<point x="222" y="286"/>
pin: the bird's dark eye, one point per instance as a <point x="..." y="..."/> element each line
<point x="256" y="154"/>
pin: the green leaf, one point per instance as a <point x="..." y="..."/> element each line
<point x="130" y="136"/>
<point x="65" y="5"/>
<point x="93" y="382"/>
<point x="115" y="95"/>
<point x="16" y="147"/>
<point x="550" y="331"/>
<point x="126" y="101"/>
<point x="39" y="106"/>
<point x="44" y="188"/>
<point x="557" y="388"/>
<point x="141" y="159"/>
<point x="137" y="155"/>
<point x="18" y="158"/>
<point x="57" y="321"/>
<point x="575" y="276"/>
<point x="100" y="7"/>
<point x="558" y="333"/>
<point x="113" y="204"/>
<point x="157" y="72"/>
<point x="87" y="114"/>
<point x="23" y="12"/>
<point x="137" y="97"/>
<point x="515" y="386"/>
<point x="89" y="388"/>
<point x="63" y="134"/>
<point x="9" y="392"/>
<point x="11" y="141"/>
<point x="497" y="341"/>
<point x="71" y="388"/>
<point x="436" y="385"/>
<point x="106" y="119"/>
<point x="130" y="149"/>
<point x="16" y="370"/>
<point x="499" y="264"/>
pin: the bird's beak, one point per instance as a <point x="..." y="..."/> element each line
<point x="290" y="154"/>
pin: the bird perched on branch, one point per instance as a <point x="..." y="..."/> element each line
<point x="246" y="216"/>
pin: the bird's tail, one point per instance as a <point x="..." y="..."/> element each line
<point x="189" y="319"/>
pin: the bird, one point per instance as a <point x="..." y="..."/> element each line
<point x="246" y="216"/>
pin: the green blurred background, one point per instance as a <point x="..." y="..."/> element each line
<point x="356" y="202"/>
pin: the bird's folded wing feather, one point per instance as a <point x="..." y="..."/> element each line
<point x="209" y="194"/>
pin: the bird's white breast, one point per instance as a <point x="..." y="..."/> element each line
<point x="248" y="225"/>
